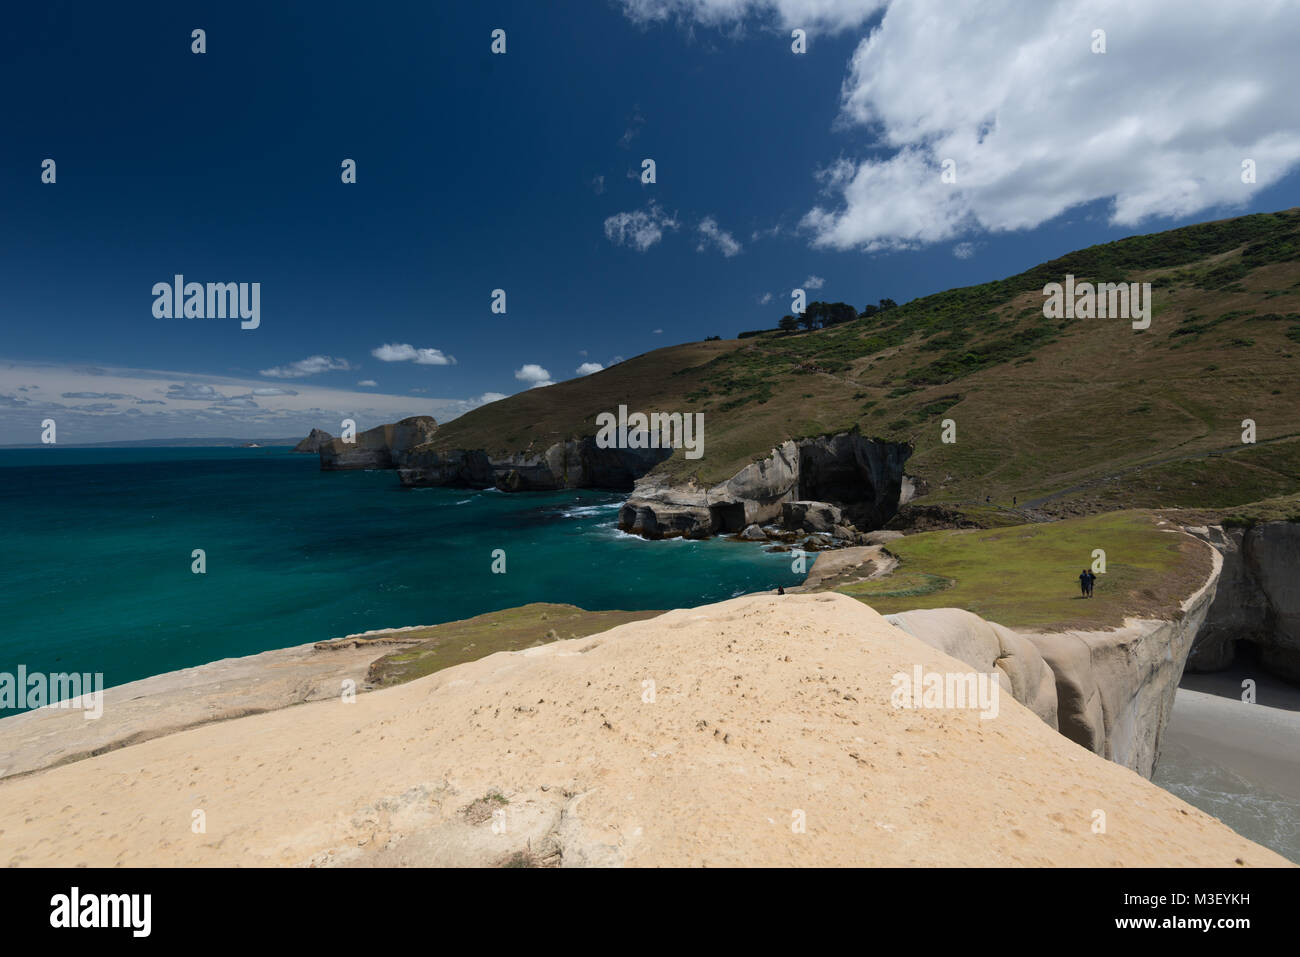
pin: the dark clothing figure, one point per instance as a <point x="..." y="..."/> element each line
<point x="1083" y="582"/>
<point x="1091" y="580"/>
<point x="780" y="589"/>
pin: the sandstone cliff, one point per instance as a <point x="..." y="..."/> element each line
<point x="862" y="477"/>
<point x="383" y="447"/>
<point x="1258" y="600"/>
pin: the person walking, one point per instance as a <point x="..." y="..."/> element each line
<point x="1083" y="582"/>
<point x="1091" y="581"/>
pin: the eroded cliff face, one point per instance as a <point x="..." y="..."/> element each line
<point x="1110" y="691"/>
<point x="862" y="476"/>
<point x="383" y="447"/>
<point x="1258" y="599"/>
<point x="577" y="463"/>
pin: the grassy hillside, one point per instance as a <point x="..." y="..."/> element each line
<point x="1071" y="416"/>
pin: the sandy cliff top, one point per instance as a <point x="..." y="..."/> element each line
<point x="763" y="706"/>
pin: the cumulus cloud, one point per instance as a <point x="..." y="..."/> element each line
<point x="712" y="234"/>
<point x="587" y="368"/>
<point x="964" y="250"/>
<point x="534" y="375"/>
<point x="312" y="365"/>
<point x="405" y="352"/>
<point x="640" y="228"/>
<point x="487" y="397"/>
<point x="814" y="282"/>
<point x="1035" y="123"/>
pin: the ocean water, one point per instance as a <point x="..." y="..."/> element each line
<point x="95" y="557"/>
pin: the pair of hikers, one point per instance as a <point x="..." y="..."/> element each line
<point x="1085" y="583"/>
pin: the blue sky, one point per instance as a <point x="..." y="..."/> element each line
<point x="521" y="171"/>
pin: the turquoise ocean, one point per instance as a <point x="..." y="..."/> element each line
<point x="96" y="545"/>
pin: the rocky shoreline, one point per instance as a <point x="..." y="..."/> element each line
<point x="840" y="486"/>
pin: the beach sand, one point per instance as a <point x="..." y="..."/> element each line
<point x="1240" y="762"/>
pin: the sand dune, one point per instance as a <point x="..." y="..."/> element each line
<point x="764" y="709"/>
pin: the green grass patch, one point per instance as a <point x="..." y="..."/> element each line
<point x="1027" y="576"/>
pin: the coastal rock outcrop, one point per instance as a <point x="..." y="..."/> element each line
<point x="313" y="442"/>
<point x="845" y="477"/>
<point x="1258" y="601"/>
<point x="383" y="447"/>
<point x="811" y="516"/>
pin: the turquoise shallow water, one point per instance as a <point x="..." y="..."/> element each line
<point x="95" y="559"/>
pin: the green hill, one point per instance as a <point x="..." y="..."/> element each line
<point x="1067" y="416"/>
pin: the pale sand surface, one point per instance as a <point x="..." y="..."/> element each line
<point x="167" y="703"/>
<point x="763" y="706"/>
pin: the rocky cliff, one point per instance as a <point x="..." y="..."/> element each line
<point x="314" y="441"/>
<point x="383" y="447"/>
<point x="1110" y="691"/>
<point x="576" y="463"/>
<point x="861" y="477"/>
<point x="1258" y="601"/>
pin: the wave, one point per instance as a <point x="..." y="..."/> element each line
<point x="582" y="510"/>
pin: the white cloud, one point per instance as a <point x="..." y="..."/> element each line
<point x="598" y="185"/>
<point x="964" y="250"/>
<point x="534" y="375"/>
<point x="183" y="403"/>
<point x="487" y="397"/>
<point x="658" y="332"/>
<point x="1036" y="123"/>
<point x="830" y="15"/>
<point x="814" y="282"/>
<point x="404" y="352"/>
<point x="711" y="234"/>
<point x="639" y="229"/>
<point x="312" y="365"/>
<point x="192" y="391"/>
<point x="764" y="299"/>
<point x="587" y="368"/>
<point x="368" y="382"/>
